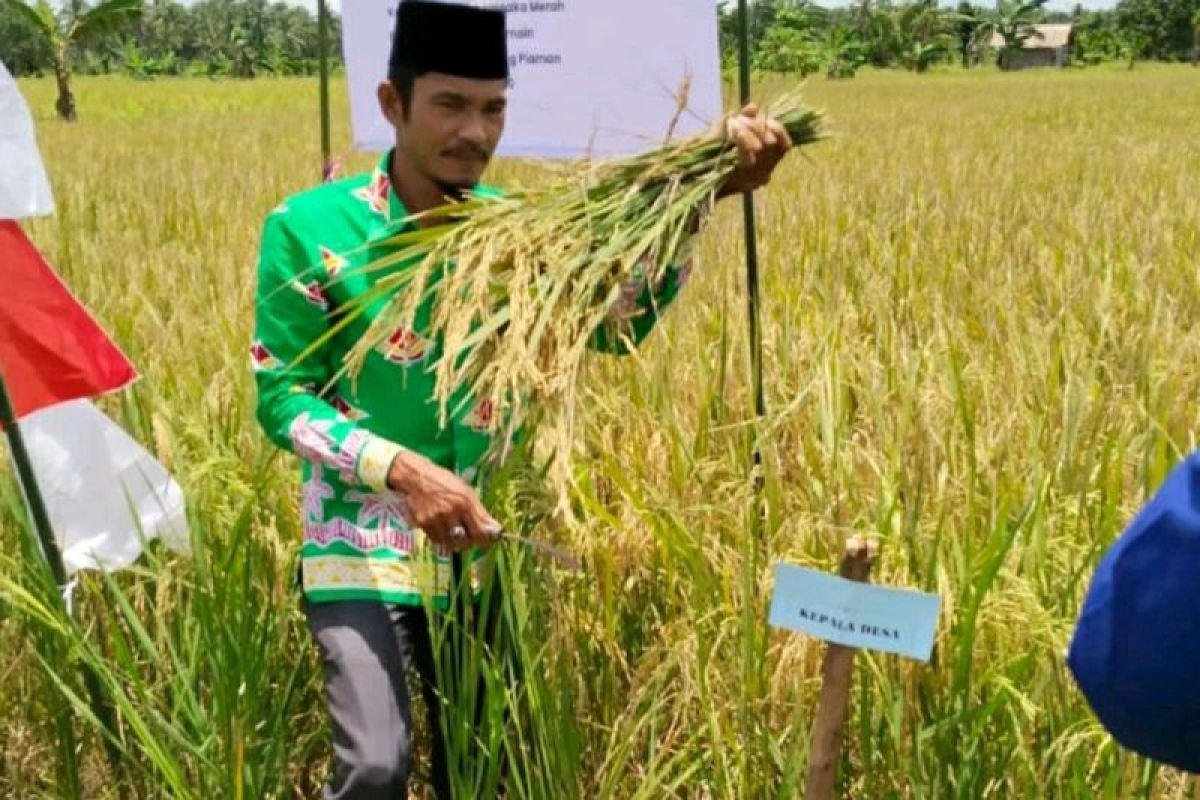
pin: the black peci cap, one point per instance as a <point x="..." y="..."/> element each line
<point x="452" y="39"/>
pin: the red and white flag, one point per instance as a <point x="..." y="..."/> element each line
<point x="51" y="350"/>
<point x="104" y="493"/>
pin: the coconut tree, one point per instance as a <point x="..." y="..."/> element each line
<point x="1014" y="24"/>
<point x="71" y="31"/>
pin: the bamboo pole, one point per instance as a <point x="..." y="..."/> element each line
<point x="837" y="674"/>
<point x="323" y="60"/>
<point x="751" y="236"/>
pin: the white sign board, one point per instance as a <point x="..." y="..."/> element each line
<point x="854" y="614"/>
<point x="598" y="77"/>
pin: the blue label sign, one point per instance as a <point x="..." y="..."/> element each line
<point x="855" y="614"/>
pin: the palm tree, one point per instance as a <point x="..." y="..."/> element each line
<point x="110" y="16"/>
<point x="1014" y="23"/>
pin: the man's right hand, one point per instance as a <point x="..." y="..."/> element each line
<point x="438" y="501"/>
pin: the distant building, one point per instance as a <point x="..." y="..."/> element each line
<point x="1050" y="46"/>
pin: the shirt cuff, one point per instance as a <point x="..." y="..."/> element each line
<point x="375" y="462"/>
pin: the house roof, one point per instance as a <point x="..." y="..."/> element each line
<point x="1045" y="37"/>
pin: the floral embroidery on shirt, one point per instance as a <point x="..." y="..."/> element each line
<point x="364" y="539"/>
<point x="482" y="417"/>
<point x="386" y="511"/>
<point x="351" y="450"/>
<point x="332" y="262"/>
<point x="350" y="412"/>
<point x="263" y="359"/>
<point x="376" y="193"/>
<point x="313" y="292"/>
<point x="313" y="495"/>
<point x="405" y="347"/>
<point x="312" y="440"/>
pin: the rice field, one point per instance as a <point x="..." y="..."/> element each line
<point x="981" y="316"/>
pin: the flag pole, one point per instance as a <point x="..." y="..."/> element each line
<point x="28" y="481"/>
<point x="323" y="59"/>
<point x="100" y="706"/>
<point x="753" y="633"/>
<point x="752" y="289"/>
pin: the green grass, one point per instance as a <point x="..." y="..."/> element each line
<point x="980" y="305"/>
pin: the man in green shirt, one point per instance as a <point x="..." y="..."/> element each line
<point x="387" y="495"/>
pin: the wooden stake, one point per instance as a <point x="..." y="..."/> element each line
<point x="837" y="673"/>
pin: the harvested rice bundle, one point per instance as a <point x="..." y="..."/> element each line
<point x="520" y="284"/>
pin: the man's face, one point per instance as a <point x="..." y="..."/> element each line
<point x="451" y="127"/>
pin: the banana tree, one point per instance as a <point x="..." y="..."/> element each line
<point x="919" y="56"/>
<point x="843" y="53"/>
<point x="66" y="34"/>
<point x="921" y="34"/>
<point x="787" y="50"/>
<point x="1014" y="24"/>
<point x="915" y="35"/>
<point x="971" y="30"/>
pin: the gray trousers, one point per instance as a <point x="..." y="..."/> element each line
<point x="367" y="648"/>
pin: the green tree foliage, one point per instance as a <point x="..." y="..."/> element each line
<point x="792" y="42"/>
<point x="242" y="38"/>
<point x="922" y="34"/>
<point x="248" y="38"/>
<point x="1134" y="45"/>
<point x="1097" y="38"/>
<point x="842" y="53"/>
<point x="1196" y="38"/>
<point x="1166" y="27"/>
<point x="761" y="13"/>
<point x="74" y="28"/>
<point x="23" y="48"/>
<point x="799" y="36"/>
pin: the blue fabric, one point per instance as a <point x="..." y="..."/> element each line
<point x="1136" y="649"/>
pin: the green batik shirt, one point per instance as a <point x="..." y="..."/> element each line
<point x="358" y="543"/>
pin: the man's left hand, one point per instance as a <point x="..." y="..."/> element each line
<point x="761" y="142"/>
